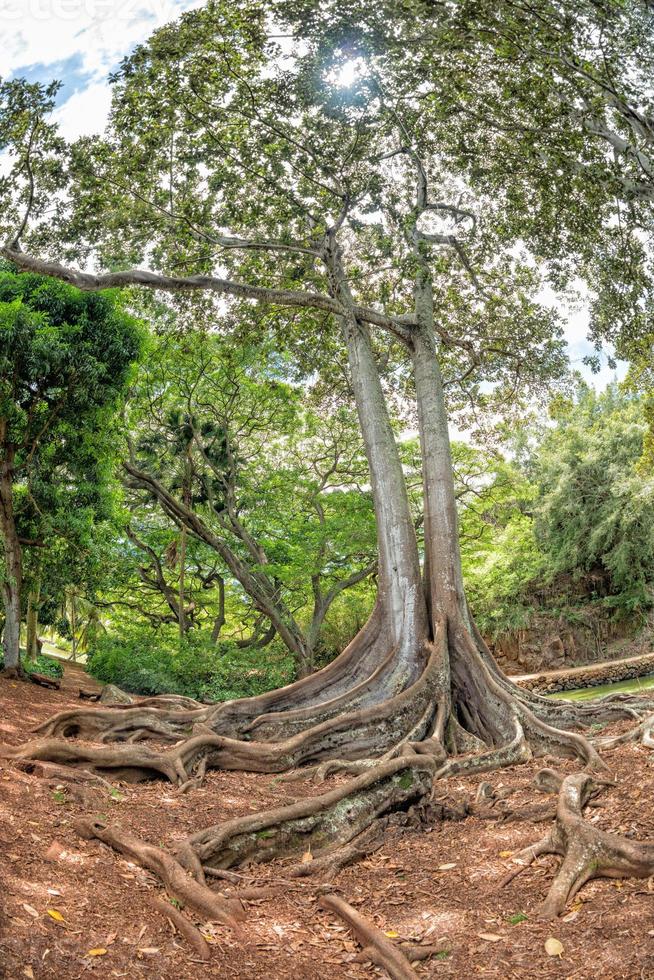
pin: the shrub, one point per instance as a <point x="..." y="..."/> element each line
<point x="44" y="665"/>
<point x="146" y="661"/>
<point x="41" y="665"/>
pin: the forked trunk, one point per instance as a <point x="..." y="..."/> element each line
<point x="400" y="594"/>
<point x="443" y="573"/>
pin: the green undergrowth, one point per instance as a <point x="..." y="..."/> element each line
<point x="41" y="665"/>
<point x="148" y="662"/>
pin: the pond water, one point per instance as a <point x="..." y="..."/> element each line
<point x="632" y="686"/>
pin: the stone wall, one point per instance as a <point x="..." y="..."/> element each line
<point x="591" y="676"/>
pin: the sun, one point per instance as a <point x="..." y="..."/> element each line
<point x="348" y="73"/>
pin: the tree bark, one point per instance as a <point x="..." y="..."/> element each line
<point x="13" y="570"/>
<point x="400" y="594"/>
<point x="32" y="621"/>
<point x="181" y="599"/>
<point x="219" y="621"/>
<point x="73" y="627"/>
<point x="444" y="576"/>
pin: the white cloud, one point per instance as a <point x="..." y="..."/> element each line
<point x="576" y="325"/>
<point x="85" y="112"/>
<point x="98" y="32"/>
<point x="95" y="34"/>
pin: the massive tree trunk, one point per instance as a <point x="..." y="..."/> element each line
<point x="13" y="565"/>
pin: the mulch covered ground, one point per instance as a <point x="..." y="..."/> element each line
<point x="62" y="897"/>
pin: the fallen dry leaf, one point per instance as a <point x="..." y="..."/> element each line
<point x="31" y="910"/>
<point x="97" y="952"/>
<point x="553" y="947"/>
<point x="446" y="867"/>
<point x="490" y="937"/>
<point x="56" y="915"/>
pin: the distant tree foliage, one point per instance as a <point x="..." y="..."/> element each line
<point x="65" y="360"/>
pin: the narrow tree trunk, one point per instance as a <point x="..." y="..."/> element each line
<point x="256" y="584"/>
<point x="73" y="627"/>
<point x="13" y="570"/>
<point x="219" y="621"/>
<point x="399" y="577"/>
<point x="32" y="623"/>
<point x="443" y="573"/>
<point x="400" y="593"/>
<point x="182" y="582"/>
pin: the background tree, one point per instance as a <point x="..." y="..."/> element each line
<point x="223" y="445"/>
<point x="65" y="358"/>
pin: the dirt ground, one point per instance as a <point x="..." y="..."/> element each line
<point x="62" y="897"/>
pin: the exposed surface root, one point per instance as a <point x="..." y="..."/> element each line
<point x="558" y="712"/>
<point x="193" y="936"/>
<point x="460" y="704"/>
<point x="44" y="681"/>
<point x="640" y="733"/>
<point x="50" y="770"/>
<point x="128" y="762"/>
<point x="586" y="851"/>
<point x="377" y="947"/>
<point x="454" y="713"/>
<point x="117" y="723"/>
<point x="176" y="879"/>
<point x="333" y="861"/>
<point x="315" y="824"/>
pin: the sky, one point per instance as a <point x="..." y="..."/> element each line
<point x="80" y="42"/>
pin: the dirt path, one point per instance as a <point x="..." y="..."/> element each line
<point x="439" y="886"/>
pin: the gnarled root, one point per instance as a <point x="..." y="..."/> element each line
<point x="586" y="851"/>
<point x="494" y="713"/>
<point x="316" y="824"/>
<point x="377" y="947"/>
<point x="640" y="733"/>
<point x="129" y="762"/>
<point x="333" y="861"/>
<point x="366" y="673"/>
<point x="44" y="681"/>
<point x="55" y="773"/>
<point x="193" y="936"/>
<point x="116" y="723"/>
<point x="423" y="718"/>
<point x="177" y="881"/>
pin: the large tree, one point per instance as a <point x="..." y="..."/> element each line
<point x="239" y="168"/>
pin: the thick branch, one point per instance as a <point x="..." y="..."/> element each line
<point x="90" y="282"/>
